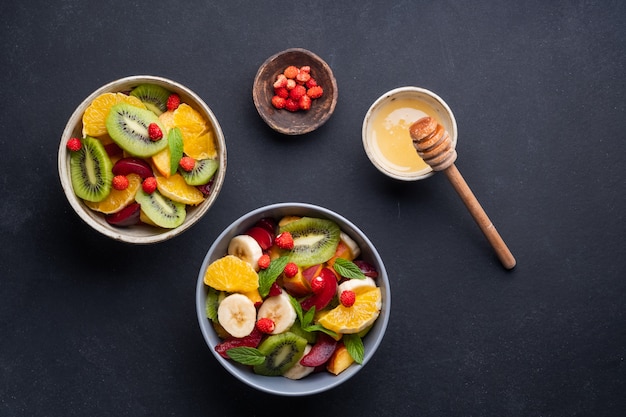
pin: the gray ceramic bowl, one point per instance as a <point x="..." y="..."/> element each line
<point x="317" y="382"/>
<point x="139" y="234"/>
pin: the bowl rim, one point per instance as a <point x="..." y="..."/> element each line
<point x="445" y="113"/>
<point x="85" y="213"/>
<point x="305" y="386"/>
<point x="286" y="130"/>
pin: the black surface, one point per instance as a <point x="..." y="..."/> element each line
<point x="89" y="326"/>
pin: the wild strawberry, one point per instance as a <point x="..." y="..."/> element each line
<point x="292" y="105"/>
<point x="291" y="72"/>
<point x="305" y="68"/>
<point x="347" y="298"/>
<point x="120" y="182"/>
<point x="274" y="290"/>
<point x="317" y="284"/>
<point x="281" y="81"/>
<point x="278" y="102"/>
<point x="291" y="270"/>
<point x="303" y="77"/>
<point x="149" y="185"/>
<point x="315" y="92"/>
<point x="284" y="241"/>
<point x="310" y="83"/>
<point x="281" y="92"/>
<point x="187" y="163"/>
<point x="304" y="102"/>
<point x="297" y="92"/>
<point x="264" y="261"/>
<point x="173" y="101"/>
<point x="291" y="84"/>
<point x="74" y="144"/>
<point x="265" y="325"/>
<point x="154" y="131"/>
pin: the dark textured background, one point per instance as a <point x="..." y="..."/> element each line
<point x="89" y="326"/>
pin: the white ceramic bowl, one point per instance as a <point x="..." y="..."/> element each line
<point x="317" y="382"/>
<point x="426" y="103"/>
<point x="139" y="234"/>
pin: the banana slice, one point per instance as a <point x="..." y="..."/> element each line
<point x="355" y="250"/>
<point x="299" y="371"/>
<point x="247" y="248"/>
<point x="279" y="309"/>
<point x="237" y="315"/>
<point x="353" y="284"/>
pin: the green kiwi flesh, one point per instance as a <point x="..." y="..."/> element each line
<point x="128" y="127"/>
<point x="315" y="240"/>
<point x="281" y="351"/>
<point x="160" y="209"/>
<point x="153" y="96"/>
<point x="91" y="171"/>
<point x="201" y="173"/>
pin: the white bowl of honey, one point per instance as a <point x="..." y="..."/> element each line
<point x="386" y="137"/>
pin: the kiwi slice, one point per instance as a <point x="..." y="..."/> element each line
<point x="315" y="240"/>
<point x="153" y="96"/>
<point x="128" y="127"/>
<point x="281" y="352"/>
<point x="161" y="210"/>
<point x="91" y="170"/>
<point x="213" y="300"/>
<point x="201" y="173"/>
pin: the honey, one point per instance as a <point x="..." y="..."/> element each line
<point x="390" y="134"/>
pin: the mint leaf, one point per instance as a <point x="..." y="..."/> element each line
<point x="348" y="269"/>
<point x="355" y="347"/>
<point x="246" y="355"/>
<point x="320" y="328"/>
<point x="308" y="317"/>
<point x="296" y="306"/>
<point x="269" y="275"/>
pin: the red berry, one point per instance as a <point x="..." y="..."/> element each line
<point x="297" y="92"/>
<point x="74" y="144"/>
<point x="284" y="241"/>
<point x="310" y="83"/>
<point x="305" y="68"/>
<point x="149" y="185"/>
<point x="292" y="105"/>
<point x="278" y="102"/>
<point x="291" y="84"/>
<point x="120" y="182"/>
<point x="303" y="77"/>
<point x="264" y="261"/>
<point x="291" y="270"/>
<point x="315" y="92"/>
<point x="265" y="325"/>
<point x="173" y="101"/>
<point x="347" y="298"/>
<point x="154" y="131"/>
<point x="317" y="284"/>
<point x="187" y="163"/>
<point x="291" y="72"/>
<point x="281" y="92"/>
<point x="305" y="102"/>
<point x="281" y="81"/>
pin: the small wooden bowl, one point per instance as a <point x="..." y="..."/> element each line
<point x="300" y="122"/>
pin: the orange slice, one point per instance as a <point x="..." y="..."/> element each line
<point x="231" y="274"/>
<point x="118" y="199"/>
<point x="175" y="188"/>
<point x="200" y="147"/>
<point x="167" y="119"/>
<point x="94" y="118"/>
<point x="161" y="161"/>
<point x="198" y="140"/>
<point x="361" y="315"/>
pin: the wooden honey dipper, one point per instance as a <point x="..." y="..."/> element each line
<point x="434" y="146"/>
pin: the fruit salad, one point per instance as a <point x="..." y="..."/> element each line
<point x="292" y="297"/>
<point x="143" y="157"/>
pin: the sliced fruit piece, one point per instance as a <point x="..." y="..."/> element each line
<point x="231" y="274"/>
<point x="269" y="224"/>
<point x="297" y="285"/>
<point x="237" y="315"/>
<point x="90" y="171"/>
<point x="153" y="96"/>
<point x="161" y="210"/>
<point x="213" y="299"/>
<point x="202" y="172"/>
<point x="347" y="248"/>
<point x="128" y="127"/>
<point x="161" y="161"/>
<point x="362" y="314"/>
<point x="128" y="216"/>
<point x="327" y="293"/>
<point x="368" y="269"/>
<point x="354" y="285"/>
<point x="143" y="218"/>
<point x="255" y="297"/>
<point x="280" y="311"/>
<point x="175" y="188"/>
<point x="315" y="240"/>
<point x="340" y="360"/>
<point x="264" y="238"/>
<point x="299" y="371"/>
<point x="321" y="352"/>
<point x="246" y="248"/>
<point x="281" y="351"/>
<point x="167" y="120"/>
<point x="190" y="121"/>
<point x="132" y="165"/>
<point x="252" y="340"/>
<point x="118" y="199"/>
<point x="94" y="118"/>
<point x="201" y="146"/>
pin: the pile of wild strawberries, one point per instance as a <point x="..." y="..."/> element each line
<point x="294" y="89"/>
